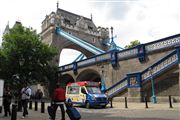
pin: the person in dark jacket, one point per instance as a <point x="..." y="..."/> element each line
<point x="39" y="94"/>
<point x="7" y="101"/>
<point x="59" y="99"/>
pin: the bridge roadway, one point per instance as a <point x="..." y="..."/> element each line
<point x="135" y="111"/>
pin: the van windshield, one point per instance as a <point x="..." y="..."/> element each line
<point x="93" y="90"/>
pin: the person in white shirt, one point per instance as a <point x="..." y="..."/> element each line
<point x="25" y="96"/>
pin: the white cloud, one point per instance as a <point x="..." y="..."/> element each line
<point x="132" y="19"/>
<point x="70" y="54"/>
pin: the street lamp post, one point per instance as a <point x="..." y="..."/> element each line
<point x="153" y="97"/>
<point x="103" y="85"/>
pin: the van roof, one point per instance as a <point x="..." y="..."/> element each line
<point x="83" y="83"/>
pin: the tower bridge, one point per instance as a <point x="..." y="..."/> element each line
<point x="128" y="72"/>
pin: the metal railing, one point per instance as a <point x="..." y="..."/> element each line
<point x="157" y="68"/>
<point x="116" y="88"/>
<point x="157" y="45"/>
<point x="160" y="66"/>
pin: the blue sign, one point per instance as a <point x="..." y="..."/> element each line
<point x="134" y="80"/>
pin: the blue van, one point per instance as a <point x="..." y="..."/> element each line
<point x="86" y="93"/>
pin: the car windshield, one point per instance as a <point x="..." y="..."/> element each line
<point x="93" y="90"/>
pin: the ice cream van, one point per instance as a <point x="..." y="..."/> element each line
<point x="86" y="93"/>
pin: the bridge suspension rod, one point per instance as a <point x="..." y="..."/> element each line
<point x="79" y="42"/>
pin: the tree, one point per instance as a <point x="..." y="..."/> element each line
<point x="133" y="44"/>
<point x="24" y="58"/>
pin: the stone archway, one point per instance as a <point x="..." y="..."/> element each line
<point x="89" y="75"/>
<point x="65" y="79"/>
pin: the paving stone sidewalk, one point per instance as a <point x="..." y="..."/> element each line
<point x="135" y="111"/>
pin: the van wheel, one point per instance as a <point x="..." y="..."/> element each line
<point x="87" y="105"/>
<point x="104" y="106"/>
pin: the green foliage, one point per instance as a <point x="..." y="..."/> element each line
<point x="24" y="55"/>
<point x="133" y="44"/>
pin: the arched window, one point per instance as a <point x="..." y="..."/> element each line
<point x="93" y="40"/>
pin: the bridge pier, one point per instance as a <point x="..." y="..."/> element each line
<point x="135" y="94"/>
<point x="178" y="56"/>
<point x="134" y="87"/>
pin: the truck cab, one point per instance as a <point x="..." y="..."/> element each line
<point x="86" y="93"/>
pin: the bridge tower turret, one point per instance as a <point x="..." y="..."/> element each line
<point x="76" y="25"/>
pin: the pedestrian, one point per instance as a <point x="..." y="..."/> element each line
<point x="7" y="101"/>
<point x="39" y="94"/>
<point x="25" y="96"/>
<point x="59" y="99"/>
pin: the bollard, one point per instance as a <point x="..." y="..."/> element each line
<point x="42" y="107"/>
<point x="146" y="103"/>
<point x="30" y="104"/>
<point x="14" y="112"/>
<point x="170" y="102"/>
<point x="36" y="106"/>
<point x="111" y="103"/>
<point x="126" y="102"/>
<point x="0" y="109"/>
<point x="19" y="107"/>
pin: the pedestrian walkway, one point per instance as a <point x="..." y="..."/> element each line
<point x="118" y="107"/>
<point x="151" y="106"/>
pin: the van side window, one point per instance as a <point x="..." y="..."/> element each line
<point x="73" y="90"/>
<point x="83" y="90"/>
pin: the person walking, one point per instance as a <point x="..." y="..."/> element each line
<point x="39" y="94"/>
<point x="59" y="99"/>
<point x="25" y="96"/>
<point x="7" y="101"/>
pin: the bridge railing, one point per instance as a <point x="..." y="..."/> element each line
<point x="160" y="66"/>
<point x="67" y="67"/>
<point x="162" y="44"/>
<point x="116" y="88"/>
<point x="87" y="62"/>
<point x="157" y="68"/>
<point x="83" y="63"/>
<point x="128" y="53"/>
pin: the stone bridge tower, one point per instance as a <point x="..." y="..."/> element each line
<point x="78" y="26"/>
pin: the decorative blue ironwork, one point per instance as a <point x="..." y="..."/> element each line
<point x="80" y="57"/>
<point x="162" y="43"/>
<point x="178" y="52"/>
<point x="116" y="88"/>
<point x="153" y="97"/>
<point x="160" y="66"/>
<point x="134" y="80"/>
<point x="141" y="52"/>
<point x="169" y="42"/>
<point x="75" y="67"/>
<point x="114" y="58"/>
<point x="141" y="77"/>
<point x="127" y="53"/>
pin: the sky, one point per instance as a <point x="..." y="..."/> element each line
<point x="143" y="20"/>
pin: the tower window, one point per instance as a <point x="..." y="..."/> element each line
<point x="90" y="28"/>
<point x="93" y="40"/>
<point x="66" y="21"/>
